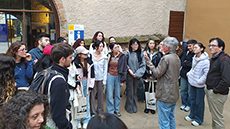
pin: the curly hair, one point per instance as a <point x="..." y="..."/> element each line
<point x="77" y="43"/>
<point x="95" y="36"/>
<point x="7" y="83"/>
<point x="15" y="113"/>
<point x="13" y="49"/>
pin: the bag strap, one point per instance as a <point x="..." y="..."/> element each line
<point x="195" y="64"/>
<point x="151" y="82"/>
<point x="56" y="76"/>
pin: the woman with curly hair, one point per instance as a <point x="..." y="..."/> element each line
<point x="24" y="68"/>
<point x="26" y="110"/>
<point x="7" y="83"/>
<point x="98" y="36"/>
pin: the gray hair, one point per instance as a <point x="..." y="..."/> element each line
<point x="172" y="43"/>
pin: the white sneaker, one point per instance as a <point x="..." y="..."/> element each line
<point x="187" y="109"/>
<point x="194" y="123"/>
<point x="182" y="107"/>
<point x="79" y="125"/>
<point x="187" y="118"/>
<point x="85" y="125"/>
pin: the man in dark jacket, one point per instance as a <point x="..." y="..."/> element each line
<point x="61" y="56"/>
<point x="186" y="65"/>
<point x="217" y="82"/>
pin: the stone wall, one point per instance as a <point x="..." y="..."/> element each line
<point x="119" y="17"/>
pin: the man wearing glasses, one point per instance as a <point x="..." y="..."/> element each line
<point x="217" y="82"/>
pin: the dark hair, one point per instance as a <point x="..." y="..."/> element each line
<point x="7" y="83"/>
<point x="138" y="51"/>
<point x="95" y="37"/>
<point x="106" y="121"/>
<point x="60" y="40"/>
<point x="109" y="40"/>
<point x="219" y="41"/>
<point x="60" y="50"/>
<point x="192" y="41"/>
<point x="97" y="43"/>
<point x="147" y="44"/>
<point x="43" y="63"/>
<point x="42" y="35"/>
<point x="15" y="113"/>
<point x="201" y="46"/>
<point x="77" y="43"/>
<point x="111" y="45"/>
<point x="13" y="49"/>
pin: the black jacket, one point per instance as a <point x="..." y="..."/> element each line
<point x="122" y="66"/>
<point x="186" y="63"/>
<point x="218" y="75"/>
<point x="59" y="98"/>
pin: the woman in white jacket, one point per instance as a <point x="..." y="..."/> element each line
<point x="196" y="78"/>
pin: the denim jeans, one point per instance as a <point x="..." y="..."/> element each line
<point x="197" y="104"/>
<point x="185" y="91"/>
<point x="166" y="116"/>
<point x="113" y="82"/>
<point x="88" y="117"/>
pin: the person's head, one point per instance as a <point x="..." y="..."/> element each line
<point x="61" y="40"/>
<point x="47" y="50"/>
<point x="17" y="50"/>
<point x="43" y="40"/>
<point x="112" y="39"/>
<point x="98" y="36"/>
<point x="169" y="45"/>
<point x="61" y="54"/>
<point x="216" y="45"/>
<point x="98" y="45"/>
<point x="190" y="44"/>
<point x="106" y="121"/>
<point x="114" y="47"/>
<point x="78" y="42"/>
<point x="150" y="45"/>
<point x="7" y="83"/>
<point x="26" y="110"/>
<point x="134" y="45"/>
<point x="198" y="48"/>
<point x="81" y="52"/>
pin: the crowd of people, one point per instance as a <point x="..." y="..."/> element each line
<point x="171" y="69"/>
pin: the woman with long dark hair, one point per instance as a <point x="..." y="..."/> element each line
<point x="7" y="83"/>
<point x="100" y="37"/>
<point x="24" y="68"/>
<point x="136" y="68"/>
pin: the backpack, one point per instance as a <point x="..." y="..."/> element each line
<point x="41" y="79"/>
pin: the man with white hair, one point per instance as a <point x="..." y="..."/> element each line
<point x="167" y="89"/>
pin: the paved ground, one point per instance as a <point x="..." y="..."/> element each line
<point x="140" y="120"/>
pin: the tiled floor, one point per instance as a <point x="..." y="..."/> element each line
<point x="140" y="120"/>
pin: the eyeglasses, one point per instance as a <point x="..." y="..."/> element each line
<point x="212" y="46"/>
<point x="23" y="50"/>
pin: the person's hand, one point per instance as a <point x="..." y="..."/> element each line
<point x="28" y="57"/>
<point x="145" y="55"/>
<point x="122" y="84"/>
<point x="151" y="78"/>
<point x="77" y="87"/>
<point x="36" y="60"/>
<point x="79" y="78"/>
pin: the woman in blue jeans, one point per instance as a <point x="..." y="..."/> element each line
<point x="196" y="78"/>
<point x="117" y="71"/>
<point x="85" y="73"/>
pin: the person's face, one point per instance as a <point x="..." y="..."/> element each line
<point x="164" y="48"/>
<point x="197" y="49"/>
<point x="151" y="44"/>
<point x="64" y="41"/>
<point x="36" y="117"/>
<point x="112" y="40"/>
<point x="99" y="37"/>
<point x="115" y="49"/>
<point x="68" y="60"/>
<point x="84" y="56"/>
<point x="214" y="49"/>
<point x="100" y="48"/>
<point x="21" y="51"/>
<point x="190" y="47"/>
<point x="160" y="46"/>
<point x="44" y="41"/>
<point x="82" y="43"/>
<point x="134" y="46"/>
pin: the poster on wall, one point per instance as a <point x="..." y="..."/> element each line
<point x="75" y="32"/>
<point x="3" y="28"/>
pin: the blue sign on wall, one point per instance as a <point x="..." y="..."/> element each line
<point x="78" y="34"/>
<point x="3" y="28"/>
